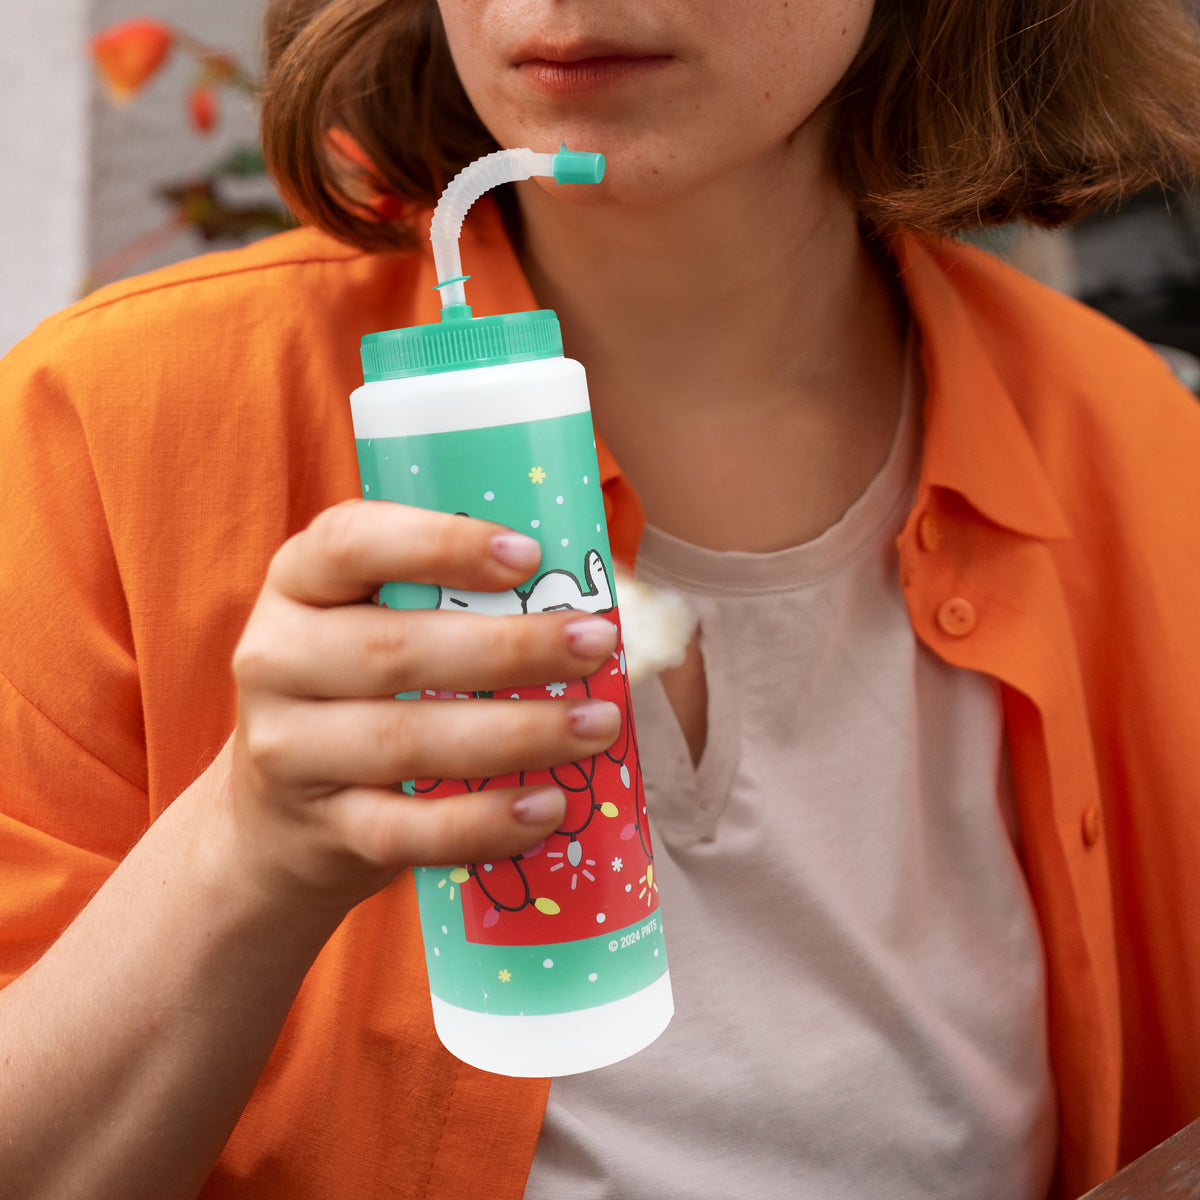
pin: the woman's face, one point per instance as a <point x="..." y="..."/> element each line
<point x="672" y="92"/>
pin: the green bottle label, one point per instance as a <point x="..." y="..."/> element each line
<point x="574" y="922"/>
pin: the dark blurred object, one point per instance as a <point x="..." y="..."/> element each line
<point x="209" y="206"/>
<point x="1140" y="266"/>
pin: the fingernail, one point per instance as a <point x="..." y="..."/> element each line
<point x="591" y="636"/>
<point x="516" y="550"/>
<point x="594" y="718"/>
<point x="539" y="807"/>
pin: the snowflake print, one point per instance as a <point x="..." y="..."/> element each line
<point x="617" y="864"/>
<point x="504" y="975"/>
<point x="556" y="689"/>
<point x="537" y="475"/>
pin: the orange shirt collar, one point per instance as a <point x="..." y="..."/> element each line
<point x="975" y="441"/>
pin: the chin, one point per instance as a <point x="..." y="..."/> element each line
<point x="615" y="192"/>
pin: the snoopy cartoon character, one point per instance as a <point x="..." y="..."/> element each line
<point x="553" y="591"/>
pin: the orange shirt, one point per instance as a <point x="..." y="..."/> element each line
<point x="160" y="440"/>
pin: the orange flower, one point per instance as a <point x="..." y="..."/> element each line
<point x="202" y="107"/>
<point x="128" y="54"/>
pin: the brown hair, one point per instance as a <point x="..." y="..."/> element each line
<point x="955" y="113"/>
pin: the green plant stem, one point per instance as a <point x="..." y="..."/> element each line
<point x="202" y="52"/>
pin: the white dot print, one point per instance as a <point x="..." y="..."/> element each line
<point x="585" y="479"/>
<point x="414" y="468"/>
<point x="566" y="541"/>
<point x="557" y="499"/>
<point x="534" y="524"/>
<point x="601" y="918"/>
<point x="489" y="495"/>
<point x="548" y="963"/>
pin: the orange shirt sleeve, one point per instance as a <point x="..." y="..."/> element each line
<point x="72" y="780"/>
<point x="158" y="442"/>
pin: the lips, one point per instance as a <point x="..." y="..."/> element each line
<point x="563" y="69"/>
<point x="546" y="50"/>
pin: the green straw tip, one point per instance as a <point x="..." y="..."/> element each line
<point x="577" y="166"/>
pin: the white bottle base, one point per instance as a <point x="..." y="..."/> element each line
<point x="556" y="1043"/>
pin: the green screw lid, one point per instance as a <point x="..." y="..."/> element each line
<point x="460" y="341"/>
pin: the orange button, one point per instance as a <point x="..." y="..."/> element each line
<point x="957" y="616"/>
<point x="929" y="535"/>
<point x="1089" y="825"/>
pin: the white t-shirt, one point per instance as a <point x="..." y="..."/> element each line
<point x="857" y="970"/>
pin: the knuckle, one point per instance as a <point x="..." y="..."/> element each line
<point x="512" y="640"/>
<point x="464" y="828"/>
<point x="254" y="660"/>
<point x="537" y="731"/>
<point x="268" y="745"/>
<point x="468" y="828"/>
<point x="391" y="738"/>
<point x="388" y="643"/>
<point x="449" y="542"/>
<point x="283" y="559"/>
<point x="337" y="536"/>
<point x="380" y="738"/>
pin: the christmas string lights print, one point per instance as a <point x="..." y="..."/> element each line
<point x="546" y="895"/>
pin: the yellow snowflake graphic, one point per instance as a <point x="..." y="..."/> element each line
<point x="505" y="975"/>
<point x="537" y="475"/>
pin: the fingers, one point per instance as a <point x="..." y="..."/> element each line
<point x="367" y="651"/>
<point x="351" y="550"/>
<point x="325" y="745"/>
<point x="386" y="829"/>
<point x="321" y="739"/>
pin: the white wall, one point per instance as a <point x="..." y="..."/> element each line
<point x="77" y="176"/>
<point x="44" y="156"/>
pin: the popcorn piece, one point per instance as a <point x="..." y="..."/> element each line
<point x="656" y="624"/>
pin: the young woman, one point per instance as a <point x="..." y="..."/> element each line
<point x="923" y="789"/>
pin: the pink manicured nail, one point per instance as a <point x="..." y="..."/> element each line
<point x="516" y="550"/>
<point x="591" y="636"/>
<point x="539" y="807"/>
<point x="595" y="718"/>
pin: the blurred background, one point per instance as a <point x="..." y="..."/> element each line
<point x="91" y="191"/>
<point x="81" y="178"/>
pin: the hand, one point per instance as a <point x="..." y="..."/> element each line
<point x="321" y="738"/>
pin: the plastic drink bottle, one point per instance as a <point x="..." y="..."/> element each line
<point x="552" y="962"/>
